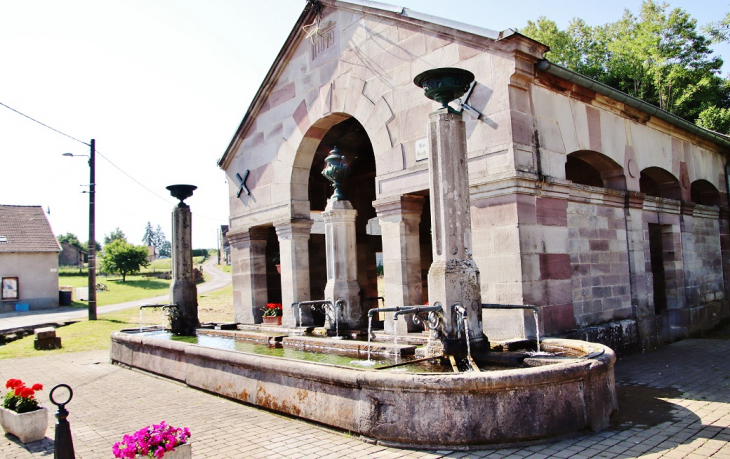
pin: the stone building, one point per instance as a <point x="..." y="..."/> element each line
<point x="70" y="255"/>
<point x="608" y="214"/>
<point x="28" y="259"/>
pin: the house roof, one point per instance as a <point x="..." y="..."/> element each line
<point x="26" y="229"/>
<point x="67" y="246"/>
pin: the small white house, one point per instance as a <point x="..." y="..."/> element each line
<point x="28" y="259"/>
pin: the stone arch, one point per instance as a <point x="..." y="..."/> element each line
<point x="704" y="193"/>
<point x="594" y="169"/>
<point x="660" y="183"/>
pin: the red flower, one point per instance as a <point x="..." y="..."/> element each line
<point x="37" y="386"/>
<point x="13" y="383"/>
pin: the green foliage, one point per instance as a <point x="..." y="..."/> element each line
<point x="715" y="119"/>
<point x="719" y="31"/>
<point x="124" y="258"/>
<point x="116" y="235"/>
<point x="164" y="249"/>
<point x="70" y="238"/>
<point x="149" y="235"/>
<point x="19" y="404"/>
<point x="200" y="253"/>
<point x="658" y="56"/>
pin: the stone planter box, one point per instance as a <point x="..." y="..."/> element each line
<point x="27" y="427"/>
<point x="181" y="452"/>
<point x="272" y="320"/>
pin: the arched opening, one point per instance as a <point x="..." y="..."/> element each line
<point x="658" y="182"/>
<point x="594" y="169"/>
<point x="353" y="142"/>
<point x="704" y="193"/>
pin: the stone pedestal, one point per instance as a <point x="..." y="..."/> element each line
<point x="453" y="277"/>
<point x="183" y="291"/>
<point x="339" y="227"/>
<point x="399" y="219"/>
<point x="294" y="257"/>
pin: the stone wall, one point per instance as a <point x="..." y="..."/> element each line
<point x="598" y="256"/>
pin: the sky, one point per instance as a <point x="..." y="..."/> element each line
<point x="162" y="86"/>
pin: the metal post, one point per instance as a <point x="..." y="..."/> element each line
<point x="92" y="239"/>
<point x="63" y="446"/>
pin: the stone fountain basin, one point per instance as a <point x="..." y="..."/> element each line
<point x="418" y="410"/>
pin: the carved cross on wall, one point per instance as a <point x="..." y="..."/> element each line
<point x="243" y="183"/>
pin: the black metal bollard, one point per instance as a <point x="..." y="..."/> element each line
<point x="63" y="447"/>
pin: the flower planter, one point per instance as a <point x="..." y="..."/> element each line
<point x="27" y="427"/>
<point x="272" y="320"/>
<point x="180" y="452"/>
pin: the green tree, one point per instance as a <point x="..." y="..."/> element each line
<point x="149" y="235"/>
<point x="165" y="249"/>
<point x="715" y="119"/>
<point x="719" y="31"/>
<point x="124" y="258"/>
<point x="70" y="238"/>
<point x="658" y="56"/>
<point x="115" y="235"/>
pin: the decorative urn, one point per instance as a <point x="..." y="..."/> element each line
<point x="444" y="84"/>
<point x="182" y="192"/>
<point x="336" y="171"/>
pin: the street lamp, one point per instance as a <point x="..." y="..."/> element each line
<point x="92" y="240"/>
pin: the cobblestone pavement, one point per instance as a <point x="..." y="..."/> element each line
<point x="675" y="403"/>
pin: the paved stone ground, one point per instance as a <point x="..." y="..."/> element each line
<point x="675" y="403"/>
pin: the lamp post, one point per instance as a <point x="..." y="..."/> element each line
<point x="92" y="220"/>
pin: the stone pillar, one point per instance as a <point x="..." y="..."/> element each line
<point x="294" y="257"/>
<point x="183" y="291"/>
<point x="453" y="276"/>
<point x="643" y="310"/>
<point x="248" y="259"/>
<point x="339" y="230"/>
<point x="725" y="248"/>
<point x="399" y="219"/>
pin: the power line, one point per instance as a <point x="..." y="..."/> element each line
<point x="44" y="125"/>
<point x="107" y="159"/>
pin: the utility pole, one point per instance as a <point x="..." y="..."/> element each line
<point x="92" y="238"/>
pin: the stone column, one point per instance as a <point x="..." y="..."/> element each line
<point x="399" y="219"/>
<point x="248" y="260"/>
<point x="454" y="275"/>
<point x="643" y="311"/>
<point x="339" y="230"/>
<point x="725" y="248"/>
<point x="294" y="257"/>
<point x="183" y="291"/>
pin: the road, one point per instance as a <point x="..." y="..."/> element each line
<point x="16" y="320"/>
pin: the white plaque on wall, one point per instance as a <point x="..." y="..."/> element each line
<point x="421" y="149"/>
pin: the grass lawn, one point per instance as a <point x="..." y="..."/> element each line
<point x="92" y="335"/>
<point x="136" y="287"/>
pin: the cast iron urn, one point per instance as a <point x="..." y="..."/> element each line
<point x="336" y="171"/>
<point x="182" y="192"/>
<point x="444" y="84"/>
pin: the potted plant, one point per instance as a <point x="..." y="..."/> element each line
<point x="21" y="414"/>
<point x="272" y="313"/>
<point x="158" y="441"/>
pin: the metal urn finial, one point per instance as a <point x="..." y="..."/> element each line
<point x="182" y="192"/>
<point x="444" y="84"/>
<point x="336" y="171"/>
